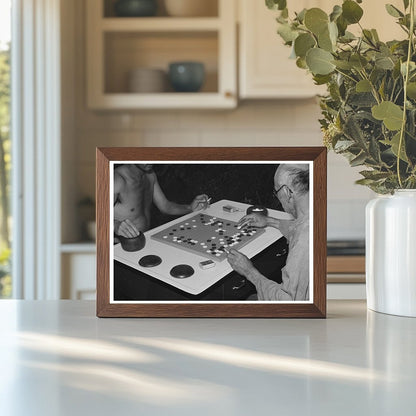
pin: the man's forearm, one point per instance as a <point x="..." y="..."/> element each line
<point x="172" y="208"/>
<point x="266" y="288"/>
<point x="284" y="226"/>
<point x="272" y="222"/>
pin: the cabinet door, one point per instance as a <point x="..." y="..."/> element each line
<point x="376" y="17"/>
<point x="78" y="276"/>
<point x="266" y="71"/>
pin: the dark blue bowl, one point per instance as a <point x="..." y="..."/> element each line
<point x="186" y="76"/>
<point x="135" y="8"/>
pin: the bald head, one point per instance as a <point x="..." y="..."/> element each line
<point x="295" y="176"/>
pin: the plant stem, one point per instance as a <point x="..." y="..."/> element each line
<point x="405" y="81"/>
<point x="346" y="75"/>
<point x="373" y="88"/>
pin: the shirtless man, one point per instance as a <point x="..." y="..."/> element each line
<point x="135" y="189"/>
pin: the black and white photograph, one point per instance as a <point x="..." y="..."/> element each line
<point x="211" y="232"/>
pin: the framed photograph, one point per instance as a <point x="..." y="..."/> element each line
<point x="211" y="232"/>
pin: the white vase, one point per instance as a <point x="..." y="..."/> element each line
<point x="391" y="253"/>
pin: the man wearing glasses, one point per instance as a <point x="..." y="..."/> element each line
<point x="291" y="183"/>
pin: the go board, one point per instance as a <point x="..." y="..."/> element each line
<point x="207" y="236"/>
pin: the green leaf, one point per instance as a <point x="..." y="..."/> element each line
<point x="303" y="43"/>
<point x="319" y="61"/>
<point x="394" y="144"/>
<point x="412" y="67"/>
<point x="363" y="86"/>
<point x="396" y="70"/>
<point x="343" y="145"/>
<point x="353" y="131"/>
<point x="351" y="11"/>
<point x="344" y="65"/>
<point x="292" y="53"/>
<point x="358" y="61"/>
<point x="276" y="4"/>
<point x="388" y="112"/>
<point x="336" y="12"/>
<point x="411" y="123"/>
<point x="321" y="79"/>
<point x="342" y="25"/>
<point x="374" y="174"/>
<point x="411" y="90"/>
<point x="316" y="20"/>
<point x="347" y="37"/>
<point x="405" y="21"/>
<point x="374" y="150"/>
<point x="359" y="160"/>
<point x="382" y="89"/>
<point x="282" y="20"/>
<point x="325" y="42"/>
<point x="393" y="11"/>
<point x="406" y="4"/>
<point x="368" y="36"/>
<point x="384" y="62"/>
<point x="301" y="63"/>
<point x="301" y="15"/>
<point x="365" y="182"/>
<point x="333" y="32"/>
<point x="375" y="35"/>
<point x="287" y="33"/>
<point x="362" y="99"/>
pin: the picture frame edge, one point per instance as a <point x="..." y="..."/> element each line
<point x="105" y="309"/>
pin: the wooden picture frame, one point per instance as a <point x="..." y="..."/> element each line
<point x="111" y="258"/>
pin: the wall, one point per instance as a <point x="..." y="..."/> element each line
<point x="253" y="123"/>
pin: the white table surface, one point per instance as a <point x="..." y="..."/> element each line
<point x="57" y="358"/>
<point x="171" y="256"/>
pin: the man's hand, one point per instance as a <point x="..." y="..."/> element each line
<point x="200" y="202"/>
<point x="127" y="229"/>
<point x="240" y="263"/>
<point x="256" y="220"/>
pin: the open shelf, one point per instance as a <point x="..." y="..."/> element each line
<point x="210" y="7"/>
<point x="168" y="100"/>
<point x="127" y="51"/>
<point x="118" y="45"/>
<point x="160" y="24"/>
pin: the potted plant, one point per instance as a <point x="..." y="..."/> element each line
<point x="368" y="116"/>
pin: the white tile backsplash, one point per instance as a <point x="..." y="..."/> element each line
<point x="346" y="219"/>
<point x="258" y="123"/>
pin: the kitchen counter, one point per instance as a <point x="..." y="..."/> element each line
<point x="57" y="358"/>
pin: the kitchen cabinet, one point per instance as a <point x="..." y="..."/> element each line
<point x="265" y="70"/>
<point x="78" y="264"/>
<point x="118" y="45"/>
<point x="265" y="67"/>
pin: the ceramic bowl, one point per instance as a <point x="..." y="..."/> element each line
<point x="186" y="76"/>
<point x="147" y="80"/>
<point x="257" y="209"/>
<point x="135" y="8"/>
<point x="133" y="243"/>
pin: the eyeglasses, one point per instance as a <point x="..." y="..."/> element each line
<point x="276" y="193"/>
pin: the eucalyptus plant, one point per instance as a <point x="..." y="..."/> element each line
<point x="369" y="111"/>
